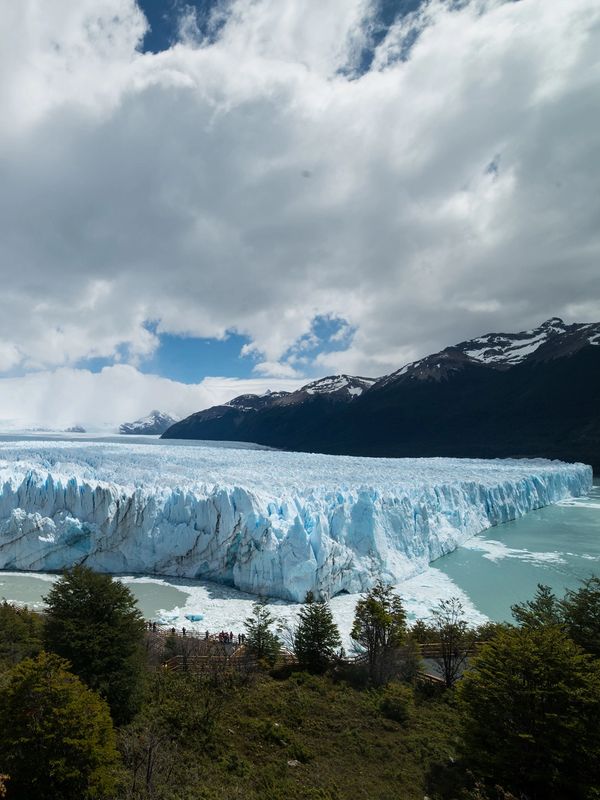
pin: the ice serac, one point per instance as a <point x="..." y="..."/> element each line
<point x="266" y="522"/>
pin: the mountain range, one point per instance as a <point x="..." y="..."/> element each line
<point x="528" y="394"/>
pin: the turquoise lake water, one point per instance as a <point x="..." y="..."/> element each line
<point x="558" y="545"/>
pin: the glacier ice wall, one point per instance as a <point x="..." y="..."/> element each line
<point x="266" y="522"/>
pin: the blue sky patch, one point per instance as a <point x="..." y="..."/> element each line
<point x="164" y="17"/>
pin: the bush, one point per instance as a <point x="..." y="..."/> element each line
<point x="20" y="634"/>
<point x="531" y="703"/>
<point x="397" y="702"/>
<point x="581" y="615"/>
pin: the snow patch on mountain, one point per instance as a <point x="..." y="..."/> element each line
<point x="156" y="423"/>
<point x="501" y="350"/>
<point x="350" y="384"/>
<point x="265" y="522"/>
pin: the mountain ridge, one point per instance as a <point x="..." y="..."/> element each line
<point x="532" y="393"/>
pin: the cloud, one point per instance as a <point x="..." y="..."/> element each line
<point x="64" y="397"/>
<point x="173" y="187"/>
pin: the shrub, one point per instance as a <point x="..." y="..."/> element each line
<point x="531" y="702"/>
<point x="397" y="702"/>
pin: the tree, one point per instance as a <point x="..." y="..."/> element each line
<point x="20" y="634"/>
<point x="530" y="702"/>
<point x="317" y="636"/>
<point x="544" y="609"/>
<point x="94" y="622"/>
<point x="180" y="708"/>
<point x="379" y="628"/>
<point x="261" y="642"/>
<point x="581" y="614"/>
<point x="56" y="735"/>
<point x="454" y="638"/>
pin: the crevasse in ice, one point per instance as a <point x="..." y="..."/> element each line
<point x="266" y="522"/>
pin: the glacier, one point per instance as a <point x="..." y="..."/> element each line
<point x="266" y="522"/>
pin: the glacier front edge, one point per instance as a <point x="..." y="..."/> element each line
<point x="271" y="523"/>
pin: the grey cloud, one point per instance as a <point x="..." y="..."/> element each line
<point x="173" y="188"/>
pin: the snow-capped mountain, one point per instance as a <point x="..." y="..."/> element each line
<point x="343" y="386"/>
<point x="532" y="393"/>
<point x="226" y="421"/>
<point x="339" y="387"/>
<point x="551" y="339"/>
<point x="254" y="402"/>
<point x="156" y="423"/>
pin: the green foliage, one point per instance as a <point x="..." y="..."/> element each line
<point x="544" y="609"/>
<point x="487" y="630"/>
<point x="578" y="613"/>
<point x="379" y="627"/>
<point x="397" y="702"/>
<point x="20" y="634"/>
<point x="57" y="739"/>
<point x="422" y="632"/>
<point x="180" y="709"/>
<point x="455" y="638"/>
<point x="94" y="622"/>
<point x="317" y="637"/>
<point x="261" y="642"/>
<point x="531" y="703"/>
<point x="309" y="736"/>
<point x="581" y="615"/>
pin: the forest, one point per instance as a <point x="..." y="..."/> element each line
<point x="97" y="703"/>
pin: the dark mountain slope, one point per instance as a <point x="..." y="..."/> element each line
<point x="531" y="394"/>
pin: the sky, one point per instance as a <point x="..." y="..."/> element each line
<point x="207" y="198"/>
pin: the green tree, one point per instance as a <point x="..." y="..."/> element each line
<point x="544" y="609"/>
<point x="317" y="636"/>
<point x="180" y="709"/>
<point x="531" y="702"/>
<point x="379" y="628"/>
<point x="20" y="634"/>
<point x="261" y="641"/>
<point x="56" y="735"/>
<point x="581" y="615"/>
<point x="94" y="622"/>
<point x="454" y="637"/>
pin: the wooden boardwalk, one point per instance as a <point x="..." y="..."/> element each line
<point x="199" y="654"/>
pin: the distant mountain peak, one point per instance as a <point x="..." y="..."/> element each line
<point x="155" y="424"/>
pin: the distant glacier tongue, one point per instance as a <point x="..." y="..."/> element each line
<point x="266" y="522"/>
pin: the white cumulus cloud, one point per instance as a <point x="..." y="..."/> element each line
<point x="257" y="181"/>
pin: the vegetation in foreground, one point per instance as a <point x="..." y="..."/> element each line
<point x="514" y="714"/>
